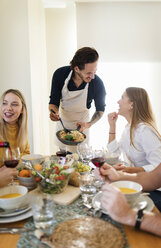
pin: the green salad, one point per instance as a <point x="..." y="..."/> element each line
<point x="57" y="174"/>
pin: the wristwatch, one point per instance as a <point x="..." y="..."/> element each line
<point x="139" y="218"/>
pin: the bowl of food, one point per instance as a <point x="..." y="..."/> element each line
<point x="111" y="158"/>
<point x="56" y="177"/>
<point x="25" y="178"/>
<point x="130" y="189"/>
<point x="13" y="196"/>
<point x="33" y="158"/>
<point x="72" y="138"/>
<point x="82" y="168"/>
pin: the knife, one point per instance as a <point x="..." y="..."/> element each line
<point x="15" y="230"/>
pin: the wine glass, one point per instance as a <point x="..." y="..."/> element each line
<point x="98" y="157"/>
<point x="11" y="157"/>
<point x="85" y="152"/>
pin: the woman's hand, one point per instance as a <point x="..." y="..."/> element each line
<point x="114" y="202"/>
<point x="7" y="175"/>
<point x="112" y="118"/>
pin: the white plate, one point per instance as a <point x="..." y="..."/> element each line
<point x="15" y="213"/>
<point x="16" y="218"/>
<point x="96" y="201"/>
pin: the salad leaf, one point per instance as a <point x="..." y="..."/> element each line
<point x="69" y="137"/>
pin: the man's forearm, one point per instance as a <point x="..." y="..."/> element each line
<point x="149" y="180"/>
<point x="96" y="116"/>
<point x="151" y="221"/>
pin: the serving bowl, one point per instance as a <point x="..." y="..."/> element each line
<point x="28" y="182"/>
<point x="33" y="158"/>
<point x="130" y="189"/>
<point x="111" y="158"/>
<point x="16" y="202"/>
<point x="69" y="142"/>
<point x="53" y="178"/>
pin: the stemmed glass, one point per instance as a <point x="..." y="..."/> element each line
<point x="11" y="158"/>
<point x="85" y="152"/>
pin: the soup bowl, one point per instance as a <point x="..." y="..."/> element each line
<point x="131" y="190"/>
<point x="33" y="158"/>
<point x="14" y="202"/>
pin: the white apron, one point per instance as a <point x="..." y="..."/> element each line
<point x="72" y="110"/>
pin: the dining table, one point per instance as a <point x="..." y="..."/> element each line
<point x="134" y="238"/>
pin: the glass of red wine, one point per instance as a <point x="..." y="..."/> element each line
<point x="11" y="157"/>
<point x="99" y="158"/>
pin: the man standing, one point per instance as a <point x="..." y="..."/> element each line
<point x="73" y="89"/>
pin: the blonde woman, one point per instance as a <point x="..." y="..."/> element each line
<point x="13" y="120"/>
<point x="140" y="143"/>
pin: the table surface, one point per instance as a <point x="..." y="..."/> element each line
<point x="136" y="239"/>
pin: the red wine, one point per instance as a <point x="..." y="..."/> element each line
<point x="98" y="162"/>
<point x="4" y="144"/>
<point x="61" y="153"/>
<point x="11" y="163"/>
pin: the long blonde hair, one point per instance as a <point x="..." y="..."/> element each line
<point x="22" y="136"/>
<point x="142" y="110"/>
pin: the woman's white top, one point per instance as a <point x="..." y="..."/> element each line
<point x="147" y="150"/>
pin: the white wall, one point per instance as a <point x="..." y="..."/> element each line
<point x="38" y="68"/>
<point x="61" y="46"/>
<point x="121" y="31"/>
<point x="14" y="51"/>
<point x="23" y="63"/>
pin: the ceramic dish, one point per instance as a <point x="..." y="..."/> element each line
<point x="97" y="202"/>
<point x="16" y="218"/>
<point x="3" y="215"/>
<point x="69" y="142"/>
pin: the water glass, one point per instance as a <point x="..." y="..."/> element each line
<point x="43" y="213"/>
<point x="86" y="183"/>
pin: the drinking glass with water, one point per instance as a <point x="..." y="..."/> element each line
<point x="43" y="213"/>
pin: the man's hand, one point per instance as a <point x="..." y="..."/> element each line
<point x="114" y="202"/>
<point x="109" y="172"/>
<point x="83" y="126"/>
<point x="54" y="112"/>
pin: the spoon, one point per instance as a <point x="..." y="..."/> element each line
<point x="8" y="211"/>
<point x="65" y="129"/>
<point x="29" y="166"/>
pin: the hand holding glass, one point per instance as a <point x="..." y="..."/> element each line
<point x="11" y="157"/>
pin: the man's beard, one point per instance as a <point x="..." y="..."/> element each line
<point x="83" y="79"/>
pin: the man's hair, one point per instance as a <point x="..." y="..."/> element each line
<point x="84" y="56"/>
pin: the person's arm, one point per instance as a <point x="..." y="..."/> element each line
<point x="112" y="118"/>
<point x="96" y="117"/>
<point x="58" y="79"/>
<point x="54" y="116"/>
<point x="7" y="175"/>
<point x="149" y="180"/>
<point x="114" y="202"/>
